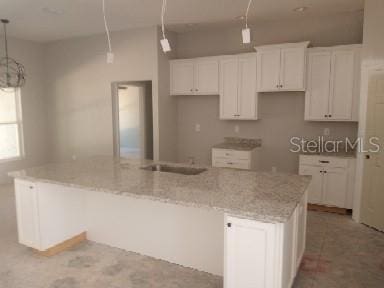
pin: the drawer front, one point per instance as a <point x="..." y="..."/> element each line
<point x="231" y="154"/>
<point x="323" y="161"/>
<point x="226" y="163"/>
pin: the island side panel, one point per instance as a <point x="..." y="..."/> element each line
<point x="188" y="236"/>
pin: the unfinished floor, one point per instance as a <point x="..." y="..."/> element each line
<point x="340" y="253"/>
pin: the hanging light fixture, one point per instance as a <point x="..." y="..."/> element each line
<point x="164" y="42"/>
<point x="246" y="32"/>
<point x="110" y="55"/>
<point x="12" y="73"/>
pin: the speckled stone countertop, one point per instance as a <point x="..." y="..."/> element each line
<point x="266" y="197"/>
<point x="241" y="144"/>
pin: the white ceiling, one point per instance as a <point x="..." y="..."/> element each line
<point x="70" y="18"/>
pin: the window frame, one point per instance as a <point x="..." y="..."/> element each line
<point x="20" y="128"/>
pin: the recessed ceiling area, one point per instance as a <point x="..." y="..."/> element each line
<point x="48" y="20"/>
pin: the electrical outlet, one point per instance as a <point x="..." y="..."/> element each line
<point x="197" y="127"/>
<point x="237" y="129"/>
<point x="327" y="132"/>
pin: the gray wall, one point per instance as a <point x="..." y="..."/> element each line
<point x="282" y="114"/>
<point x="31" y="55"/>
<point x="373" y="30"/>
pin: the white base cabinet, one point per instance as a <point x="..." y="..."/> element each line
<point x="48" y="214"/>
<point x="264" y="255"/>
<point x="332" y="180"/>
<point x="227" y="158"/>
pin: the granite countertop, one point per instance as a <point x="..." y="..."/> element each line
<point x="240" y="144"/>
<point x="261" y="196"/>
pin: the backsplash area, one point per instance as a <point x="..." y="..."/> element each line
<point x="281" y="118"/>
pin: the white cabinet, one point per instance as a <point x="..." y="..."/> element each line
<point x="281" y="67"/>
<point x="333" y="83"/>
<point x="238" y="96"/>
<point x="198" y="76"/>
<point x="27" y="216"/>
<point x="332" y="180"/>
<point x="227" y="158"/>
<point x="264" y="255"/>
<point x="48" y="214"/>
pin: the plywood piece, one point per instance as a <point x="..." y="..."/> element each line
<point x="321" y="208"/>
<point x="67" y="244"/>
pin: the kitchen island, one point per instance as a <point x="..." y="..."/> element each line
<point x="248" y="226"/>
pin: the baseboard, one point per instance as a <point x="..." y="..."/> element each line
<point x="67" y="244"/>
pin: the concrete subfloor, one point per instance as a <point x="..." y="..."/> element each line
<point x="340" y="253"/>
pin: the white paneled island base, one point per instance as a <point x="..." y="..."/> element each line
<point x="247" y="251"/>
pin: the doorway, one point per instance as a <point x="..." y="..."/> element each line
<point x="133" y="119"/>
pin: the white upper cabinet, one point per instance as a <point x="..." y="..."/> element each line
<point x="281" y="67"/>
<point x="238" y="96"/>
<point x="268" y="70"/>
<point x="198" y="76"/>
<point x="207" y="76"/>
<point x="333" y="82"/>
<point x="182" y="74"/>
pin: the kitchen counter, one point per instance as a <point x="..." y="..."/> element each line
<point x="266" y="197"/>
<point x="240" y="144"/>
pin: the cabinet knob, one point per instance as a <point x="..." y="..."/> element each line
<point x="326" y="116"/>
<point x="277" y="86"/>
<point x="329" y="115"/>
<point x="30" y="187"/>
<point x="229" y="225"/>
<point x="197" y="89"/>
<point x="281" y="86"/>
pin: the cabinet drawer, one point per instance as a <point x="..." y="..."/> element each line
<point x="323" y="161"/>
<point x="226" y="163"/>
<point x="231" y="154"/>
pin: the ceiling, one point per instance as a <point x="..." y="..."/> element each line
<point x="48" y="20"/>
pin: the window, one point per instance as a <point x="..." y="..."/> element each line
<point x="11" y="126"/>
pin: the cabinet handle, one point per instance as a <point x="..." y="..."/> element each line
<point x="323" y="161"/>
<point x="229" y="225"/>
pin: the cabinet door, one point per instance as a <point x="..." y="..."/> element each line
<point x="27" y="214"/>
<point x="182" y="73"/>
<point x="207" y="76"/>
<point x="342" y="85"/>
<point x="315" y="189"/>
<point x="247" y="87"/>
<point x="335" y="187"/>
<point x="292" y="69"/>
<point x="228" y="88"/>
<point x="249" y="254"/>
<point x="268" y="70"/>
<point x="318" y="86"/>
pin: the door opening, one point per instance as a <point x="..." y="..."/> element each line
<point x="133" y="119"/>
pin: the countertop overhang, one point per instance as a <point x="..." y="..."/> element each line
<point x="261" y="196"/>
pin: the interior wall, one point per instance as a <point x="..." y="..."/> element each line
<point x="282" y="114"/>
<point x="79" y="88"/>
<point x="166" y="103"/>
<point x="373" y="48"/>
<point x="31" y="55"/>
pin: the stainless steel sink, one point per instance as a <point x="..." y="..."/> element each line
<point x="174" y="169"/>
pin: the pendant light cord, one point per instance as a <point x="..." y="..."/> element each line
<point x="163" y="8"/>
<point x="246" y="14"/>
<point x="5" y="22"/>
<point x="106" y="28"/>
